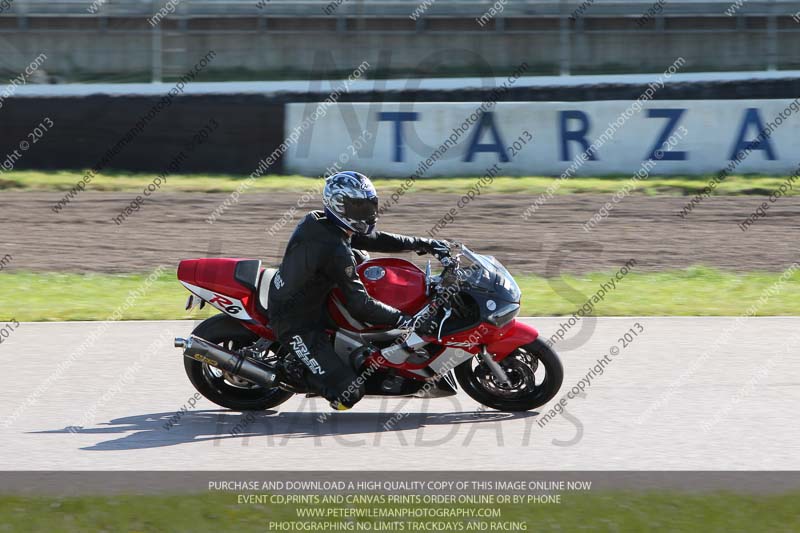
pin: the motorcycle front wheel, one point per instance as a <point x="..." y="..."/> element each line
<point x="220" y="387"/>
<point x="535" y="373"/>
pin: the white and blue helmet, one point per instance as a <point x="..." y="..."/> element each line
<point x="351" y="201"/>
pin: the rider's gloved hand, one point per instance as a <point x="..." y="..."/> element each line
<point x="436" y="248"/>
<point x="422" y="326"/>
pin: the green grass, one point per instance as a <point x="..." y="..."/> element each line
<point x="697" y="291"/>
<point x="595" y="511"/>
<point x="27" y="296"/>
<point x="655" y="185"/>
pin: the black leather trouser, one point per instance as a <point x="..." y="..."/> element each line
<point x="328" y="375"/>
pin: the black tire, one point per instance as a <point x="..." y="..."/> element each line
<point x="226" y="331"/>
<point x="521" y="366"/>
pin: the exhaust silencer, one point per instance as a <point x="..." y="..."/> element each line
<point x="236" y="364"/>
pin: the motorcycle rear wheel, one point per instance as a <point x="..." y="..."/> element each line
<point x="228" y="391"/>
<point x="529" y="389"/>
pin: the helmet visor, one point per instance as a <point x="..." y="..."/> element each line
<point x="362" y="209"/>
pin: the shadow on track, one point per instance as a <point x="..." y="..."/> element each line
<point x="148" y="430"/>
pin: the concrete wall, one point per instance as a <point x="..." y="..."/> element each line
<point x="101" y="132"/>
<point x="123" y="132"/>
<point x="546" y="138"/>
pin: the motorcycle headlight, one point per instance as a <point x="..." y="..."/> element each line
<point x="504" y="314"/>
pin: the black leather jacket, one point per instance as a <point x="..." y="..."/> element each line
<point x="319" y="257"/>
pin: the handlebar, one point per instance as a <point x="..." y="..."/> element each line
<point x="450" y="258"/>
<point x="449" y="261"/>
<point x="452" y="265"/>
<point x="452" y="268"/>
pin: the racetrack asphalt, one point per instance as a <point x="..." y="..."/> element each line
<point x="689" y="393"/>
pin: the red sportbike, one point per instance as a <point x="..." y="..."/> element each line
<point x="234" y="359"/>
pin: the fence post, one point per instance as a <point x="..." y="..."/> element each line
<point x="155" y="47"/>
<point x="772" y="38"/>
<point x="156" y="67"/>
<point x="564" y="39"/>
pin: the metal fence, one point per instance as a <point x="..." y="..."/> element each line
<point x="140" y="40"/>
<point x="397" y="8"/>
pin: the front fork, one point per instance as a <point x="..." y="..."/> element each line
<point x="518" y="334"/>
<point x="499" y="374"/>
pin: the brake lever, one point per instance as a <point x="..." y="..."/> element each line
<point x="428" y="278"/>
<point x="447" y="314"/>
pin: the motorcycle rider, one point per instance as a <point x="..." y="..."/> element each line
<point x="320" y="256"/>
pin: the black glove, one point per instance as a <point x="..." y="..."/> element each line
<point x="438" y="249"/>
<point x="423" y="326"/>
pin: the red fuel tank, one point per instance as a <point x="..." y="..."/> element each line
<point x="393" y="281"/>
